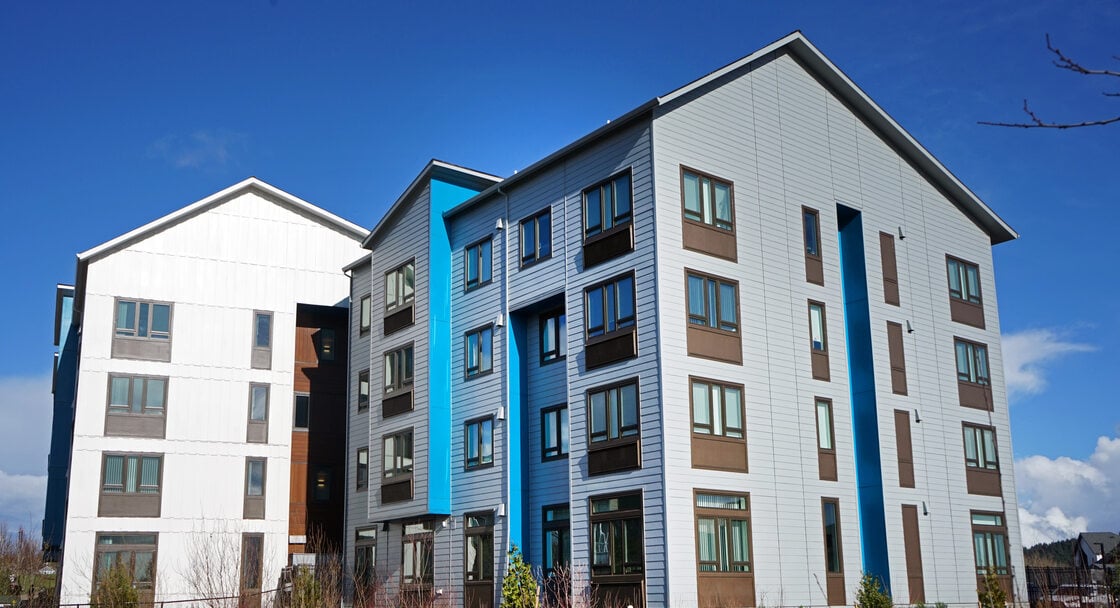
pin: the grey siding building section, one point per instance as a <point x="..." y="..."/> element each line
<point x="358" y="426"/>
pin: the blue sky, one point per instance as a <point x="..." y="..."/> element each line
<point x="115" y="113"/>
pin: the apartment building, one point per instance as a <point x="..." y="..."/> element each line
<point x="736" y="347"/>
<point x="200" y="398"/>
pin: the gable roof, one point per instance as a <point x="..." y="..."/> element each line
<point x="820" y="66"/>
<point x="437" y="169"/>
<point x="1107" y="542"/>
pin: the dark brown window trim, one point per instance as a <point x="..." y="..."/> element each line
<point x="560" y="453"/>
<point x="479" y="421"/>
<point x="594" y="518"/>
<point x="132" y="549"/>
<point x="826" y="457"/>
<point x="814" y="263"/>
<point x="583" y="207"/>
<point x="549" y="314"/>
<point x="467" y="375"/>
<point x="604" y="283"/>
<point x="834" y="580"/>
<point x="975" y="395"/>
<point x="701" y="237"/>
<point x="719" y="578"/>
<point x="396" y="475"/>
<point x="403" y="385"/>
<point x="523" y="263"/>
<point x="961" y="309"/>
<point x="130" y="504"/>
<point x="718" y="279"/>
<point x="980" y="480"/>
<point x="820" y="365"/>
<point x="390" y="309"/>
<point x="979" y="286"/>
<point x="731" y="186"/>
<point x="602" y="388"/>
<point x="718" y="441"/>
<point x="156" y="414"/>
<point x="364" y="326"/>
<point x="467" y="287"/>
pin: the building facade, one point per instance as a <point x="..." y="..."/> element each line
<point x="200" y="382"/>
<point x="736" y="347"/>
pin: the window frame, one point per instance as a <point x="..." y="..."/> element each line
<point x="164" y="338"/>
<point x="536" y="257"/>
<point x="261" y="425"/>
<point x="563" y="528"/>
<point x="248" y="489"/>
<point x="295" y="412"/>
<point x="981" y="461"/>
<point x="622" y="437"/>
<point x="561" y="434"/>
<point x="361" y="471"/>
<point x="144" y="409"/>
<point x="481" y="423"/>
<point x="257" y="316"/>
<point x="618" y="221"/>
<point x="990" y="531"/>
<point x="963" y="294"/>
<point x="402" y="301"/>
<point x="705" y="322"/>
<point x="483" y="532"/>
<point x="366" y="544"/>
<point x="621" y="324"/>
<point x="399" y="471"/>
<point x="712" y="181"/>
<point x="423" y="541"/>
<point x="827" y="403"/>
<point x="838" y="541"/>
<point x="365" y="314"/>
<point x="484" y="263"/>
<point x="141" y="457"/>
<point x="470" y="373"/>
<point x="711" y="384"/>
<point x="403" y="382"/>
<point x="971" y="350"/>
<point x="824" y="327"/>
<point x="132" y="549"/>
<point x="363" y="395"/>
<point x="723" y="546"/>
<point x="560" y="336"/>
<point x="806" y="213"/>
<point x="624" y="516"/>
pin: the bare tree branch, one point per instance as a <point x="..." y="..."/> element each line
<point x="1066" y="63"/>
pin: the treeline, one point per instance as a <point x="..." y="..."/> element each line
<point x="1058" y="554"/>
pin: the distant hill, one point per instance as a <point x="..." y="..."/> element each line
<point x="1055" y="554"/>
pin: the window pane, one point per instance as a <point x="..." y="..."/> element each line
<point x="161" y="320"/>
<point x="622" y="197"/>
<point x="701" y="416"/>
<point x="487" y="347"/>
<point x="723" y="206"/>
<point x="390" y="456"/>
<point x="365" y="313"/>
<point x="721" y="501"/>
<point x="970" y="445"/>
<point x="824" y="425"/>
<point x="137" y="394"/>
<point x="143" y="320"/>
<point x="564" y="431"/>
<point x="831" y="538"/>
<point x="713" y="313"/>
<point x="409" y="282"/>
<point x="114" y="468"/>
<point x="600" y="551"/>
<point x="598" y="415"/>
<point x="259" y="409"/>
<point x="472" y="444"/>
<point x="549" y="431"/>
<point x="485" y="264"/>
<point x="990" y="459"/>
<point x="692" y="197"/>
<point x="264" y="330"/>
<point x="740" y="546"/>
<point x="149" y="475"/>
<point x="544" y="235"/>
<point x="406" y="373"/>
<point x="816" y="327"/>
<point x="126" y="317"/>
<point x="733" y="411"/>
<point x="696" y="309"/>
<point x="607" y="192"/>
<point x="256" y="478"/>
<point x="625" y="300"/>
<point x="303" y="412"/>
<point x="717" y="410"/>
<point x="528" y="240"/>
<point x="391" y="289"/>
<point x="811" y="237"/>
<point x="962" y="361"/>
<point x="973" y="275"/>
<point x="985" y="519"/>
<point x="131" y="474"/>
<point x="629" y="397"/>
<point x="153" y="398"/>
<point x="592" y="222"/>
<point x="981" y="364"/>
<point x="595" y="319"/>
<point x="472" y="266"/>
<point x="706" y="199"/>
<point x="142" y="568"/>
<point x="706" y="537"/>
<point x="118" y="393"/>
<point x="954" y="278"/>
<point x="728" y="307"/>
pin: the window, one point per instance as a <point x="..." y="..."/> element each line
<point x="818" y="341"/>
<point x="252" y="562"/>
<point x="479" y="556"/>
<point x="890" y="268"/>
<point x="365" y="557"/>
<point x="989" y="540"/>
<point x="256" y="470"/>
<point x="557" y="538"/>
<point x="614" y="412"/>
<point x="616" y="536"/>
<point x="980" y="448"/>
<point x="833" y="552"/>
<point x="536" y="238"/>
<point x="321" y="484"/>
<point x="365" y="315"/>
<point x="398" y="455"/>
<point x="607" y="205"/>
<point x="896" y="354"/>
<point x="131" y="474"/>
<point x="301" y="419"/>
<point x="707" y="200"/>
<point x="610" y="306"/>
<point x="964" y="281"/>
<point x="325" y="345"/>
<point x="417" y="563"/>
<point x="717" y="409"/>
<point x="144" y="320"/>
<point x="258" y="413"/>
<point x="972" y="362"/>
<point x="262" y="330"/>
<point x="398" y="370"/>
<point x="137" y="395"/>
<point x="723" y="534"/>
<point x="713" y="302"/>
<point x="554" y="432"/>
<point x="400" y="286"/>
<point x="554" y="336"/>
<point x="477" y="264"/>
<point x="479" y="351"/>
<point x="826" y="440"/>
<point x="136" y="553"/>
<point x="814" y="261"/>
<point x="363" y="469"/>
<point x="478" y="448"/>
<point x="363" y="390"/>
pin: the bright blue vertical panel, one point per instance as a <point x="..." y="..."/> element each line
<point x="518" y="347"/>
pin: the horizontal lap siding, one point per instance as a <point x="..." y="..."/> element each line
<point x="358" y="422"/>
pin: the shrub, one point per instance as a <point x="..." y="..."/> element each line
<point x="115" y="590"/>
<point x="519" y="587"/>
<point x="871" y="593"/>
<point x="992" y="594"/>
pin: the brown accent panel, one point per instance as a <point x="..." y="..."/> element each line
<point x="890" y="268"/>
<point x="612" y="458"/>
<point x="976" y="396"/>
<point x="814" y="270"/>
<point x="257" y="432"/>
<point x="619" y="594"/>
<point x="912" y="543"/>
<point x="826" y="463"/>
<point x="836" y="594"/>
<point x="1005" y="582"/>
<point x="253" y="507"/>
<point x="261" y="358"/>
<point x="478" y="595"/>
<point x="399" y="320"/>
<point x="129" y="505"/>
<point x="820" y="365"/>
<point x="710" y="240"/>
<point x="905" y="448"/>
<point x="966" y="312"/>
<point x="139" y="348"/>
<point x="297" y="491"/>
<point x="397" y="404"/>
<point x="715" y="344"/>
<point x="135" y="425"/>
<point x="396" y="491"/>
<point x="897" y="357"/>
<point x="299" y="445"/>
<point x="608" y="245"/>
<point x="720" y="453"/>
<point x="984" y="482"/>
<point x="725" y="589"/>
<point x="610" y="348"/>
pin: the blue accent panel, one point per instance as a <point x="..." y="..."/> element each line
<point x="62" y="425"/>
<point x="443" y="196"/>
<point x="861" y="379"/>
<point x="518" y="347"/>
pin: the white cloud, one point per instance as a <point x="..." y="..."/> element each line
<point x="22" y="500"/>
<point x="26" y="407"/>
<point x="1026" y="353"/>
<point x="201" y="149"/>
<point x="1063" y="496"/>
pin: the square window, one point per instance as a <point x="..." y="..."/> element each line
<point x="707" y="200"/>
<point x="713" y="302"/>
<point x="137" y="395"/>
<point x="717" y="409"/>
<point x="613" y="412"/>
<point x="972" y="362"/>
<point x="964" y="280"/>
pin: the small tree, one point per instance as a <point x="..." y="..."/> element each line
<point x="992" y="594"/>
<point x="519" y="587"/>
<point x="872" y="594"/>
<point x="114" y="590"/>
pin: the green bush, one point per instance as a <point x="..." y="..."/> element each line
<point x="871" y="593"/>
<point x="992" y="594"/>
<point x="115" y="590"/>
<point x="519" y="587"/>
<point x="306" y="591"/>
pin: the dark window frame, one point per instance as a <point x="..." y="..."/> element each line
<point x="534" y="221"/>
<point x="483" y="531"/>
<point x="552" y="447"/>
<point x="817" y="402"/>
<point x="479" y="370"/>
<point x="838" y="538"/>
<point x="990" y="533"/>
<point x="400" y="276"/>
<point x="361" y="471"/>
<point x="295" y="412"/>
<point x="723" y="543"/>
<point x="131" y="548"/>
<point x="824" y="327"/>
<point x="403" y="437"/>
<point x="704" y="320"/>
<point x="125" y="457"/>
<point x="982" y="461"/>
<point x="623" y="437"/>
<point x="972" y="375"/>
<point x="712" y="181"/>
<point x="963" y="294"/>
<point x="484" y="263"/>
<point x="138" y="304"/>
<point x="421" y="535"/>
<point x="128" y="408"/>
<point x="365" y="557"/>
<point x="618" y="221"/>
<point x="365" y="314"/>
<point x="402" y="381"/>
<point x="363" y="395"/>
<point x="693" y="381"/>
<point x="621" y="324"/>
<point x="624" y="517"/>
<point x="480" y="461"/>
<point x="562" y="527"/>
<point x="560" y="336"/>
<point x="806" y="213"/>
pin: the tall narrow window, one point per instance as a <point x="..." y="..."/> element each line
<point x="890" y="268"/>
<point x="252" y="558"/>
<point x="363" y="390"/>
<point x="365" y="315"/>
<point x="617" y="559"/>
<point x="255" y="479"/>
<point x="478" y="566"/>
<point x="362" y="469"/>
<point x="478" y="448"/>
<point x="989" y="540"/>
<point x="301" y="414"/>
<point x="557" y="538"/>
<point x="398" y="370"/>
<point x="974" y="382"/>
<point x="477" y="264"/>
<point x="826" y="440"/>
<point x="400" y="286"/>
<point x="418" y="555"/>
<point x="262" y="330"/>
<point x="814" y="261"/>
<point x="896" y="352"/>
<point x="365" y="558"/>
<point x="554" y="432"/>
<point x="479" y="355"/>
<point x="818" y="341"/>
<point x="833" y="552"/>
<point x="258" y="413"/>
<point x="966" y="304"/>
<point x="536" y="237"/>
<point x="554" y="336"/>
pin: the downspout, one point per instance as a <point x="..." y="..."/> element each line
<point x="507" y="481"/>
